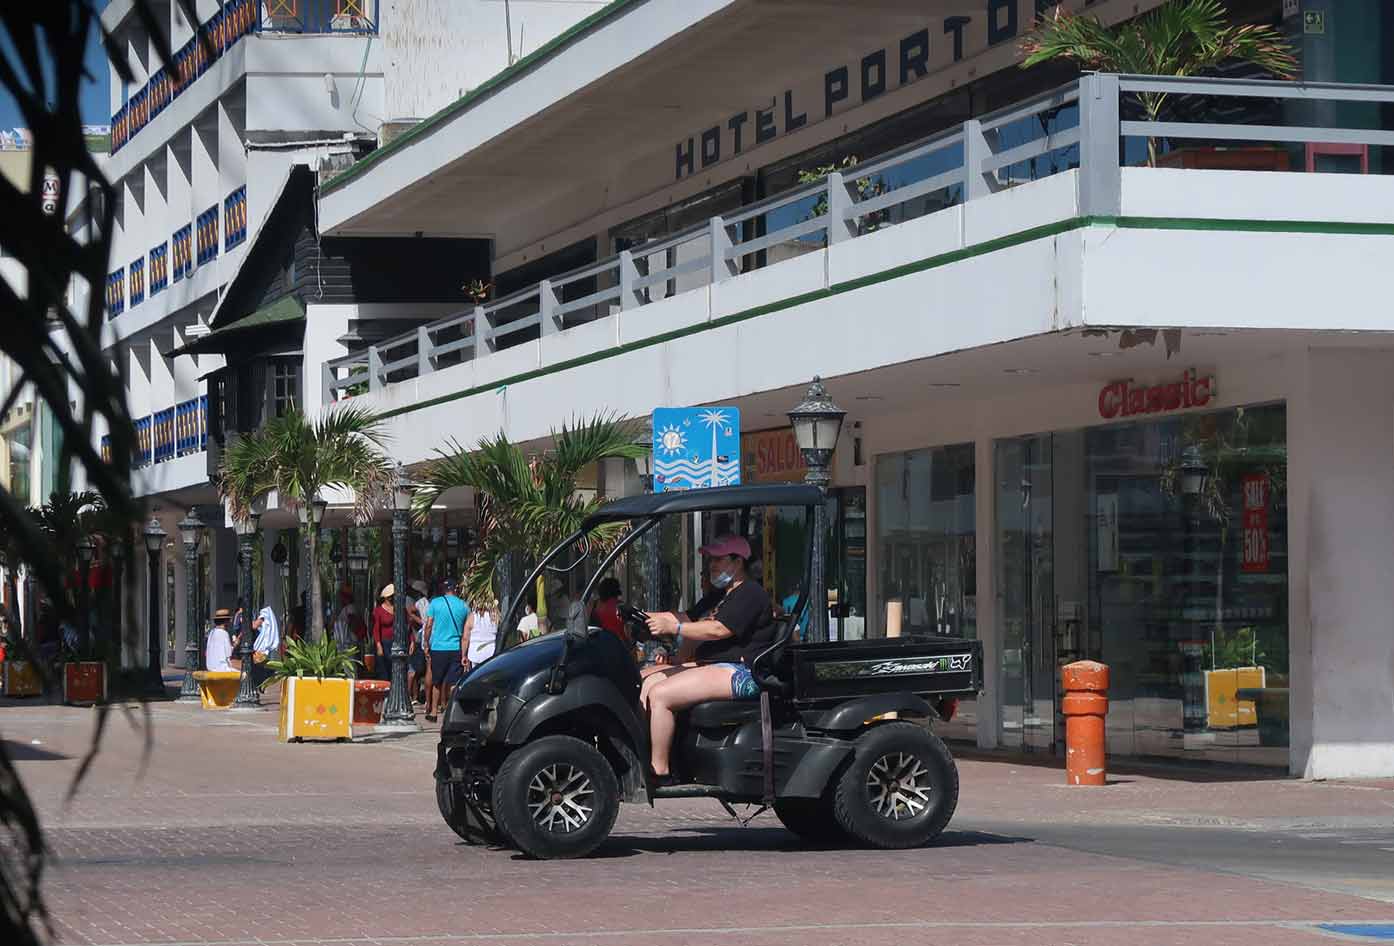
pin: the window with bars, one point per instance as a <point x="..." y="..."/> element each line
<point x="285" y="386"/>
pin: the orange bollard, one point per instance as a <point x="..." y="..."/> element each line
<point x="1084" y="706"/>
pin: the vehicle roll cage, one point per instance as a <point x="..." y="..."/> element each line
<point x="651" y="509"/>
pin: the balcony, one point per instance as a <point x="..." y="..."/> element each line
<point x="220" y="33"/>
<point x="178" y="431"/>
<point x="1090" y="129"/>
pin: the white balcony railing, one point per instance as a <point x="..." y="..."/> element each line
<point x="1076" y="126"/>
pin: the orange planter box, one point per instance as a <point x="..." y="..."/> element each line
<point x="84" y="682"/>
<point x="368" y="698"/>
<point x="21" y="679"/>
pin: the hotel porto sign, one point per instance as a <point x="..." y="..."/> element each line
<point x="1128" y="399"/>
<point x="974" y="27"/>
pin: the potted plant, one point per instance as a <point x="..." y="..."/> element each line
<point x="317" y="690"/>
<point x="1180" y="38"/>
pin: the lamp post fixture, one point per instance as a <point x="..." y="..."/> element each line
<point x="154" y="544"/>
<point x="191" y="532"/>
<point x="643" y="465"/>
<point x="85" y="551"/>
<point x="397" y="714"/>
<point x="311" y="517"/>
<point x="248" y="698"/>
<point x="118" y="560"/>
<point x="1194" y="471"/>
<point x="817" y="422"/>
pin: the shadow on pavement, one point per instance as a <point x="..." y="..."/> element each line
<point x="22" y="752"/>
<point x="699" y="839"/>
<point x="1176" y="770"/>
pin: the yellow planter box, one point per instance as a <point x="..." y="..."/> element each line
<point x="21" y="679"/>
<point x="217" y="689"/>
<point x="1224" y="709"/>
<point x="313" y="708"/>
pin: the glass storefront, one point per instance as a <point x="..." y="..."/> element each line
<point x="1159" y="548"/>
<point x="927" y="551"/>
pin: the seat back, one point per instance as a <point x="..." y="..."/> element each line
<point x="767" y="665"/>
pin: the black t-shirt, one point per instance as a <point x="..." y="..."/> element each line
<point x="705" y="604"/>
<point x="747" y="615"/>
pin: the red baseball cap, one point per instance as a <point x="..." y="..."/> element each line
<point x="727" y="545"/>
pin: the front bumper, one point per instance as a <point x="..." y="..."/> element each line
<point x="457" y="756"/>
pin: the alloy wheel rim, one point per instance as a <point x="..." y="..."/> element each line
<point x="561" y="798"/>
<point x="899" y="786"/>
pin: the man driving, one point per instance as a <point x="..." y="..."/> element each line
<point x="722" y="645"/>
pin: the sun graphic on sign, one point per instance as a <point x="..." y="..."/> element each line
<point x="672" y="440"/>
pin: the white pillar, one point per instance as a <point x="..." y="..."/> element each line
<point x="1342" y="450"/>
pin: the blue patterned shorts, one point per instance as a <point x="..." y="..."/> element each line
<point x="743" y="685"/>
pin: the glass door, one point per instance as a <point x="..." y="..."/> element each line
<point x="1026" y="590"/>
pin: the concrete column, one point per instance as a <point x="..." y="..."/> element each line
<point x="989" y="632"/>
<point x="1344" y="443"/>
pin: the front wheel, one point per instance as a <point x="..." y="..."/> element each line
<point x="556" y="798"/>
<point x="900" y="789"/>
<point x="468" y="816"/>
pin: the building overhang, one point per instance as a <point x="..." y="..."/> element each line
<point x="636" y="81"/>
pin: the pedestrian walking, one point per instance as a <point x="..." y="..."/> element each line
<point x="448" y="627"/>
<point x="416" y="656"/>
<point x="484" y="633"/>
<point x="383" y="631"/>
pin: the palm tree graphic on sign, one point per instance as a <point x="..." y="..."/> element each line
<point x="716" y="420"/>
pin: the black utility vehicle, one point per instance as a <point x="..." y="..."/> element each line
<point x="541" y="743"/>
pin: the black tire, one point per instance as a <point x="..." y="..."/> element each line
<point x="812" y="819"/>
<point x="900" y="789"/>
<point x="474" y="825"/>
<point x="564" y="827"/>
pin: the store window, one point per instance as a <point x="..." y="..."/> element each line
<point x="18" y="443"/>
<point x="285" y="391"/>
<point x="927" y="551"/>
<point x="1160" y="549"/>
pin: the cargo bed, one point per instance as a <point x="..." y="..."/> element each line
<point x="927" y="666"/>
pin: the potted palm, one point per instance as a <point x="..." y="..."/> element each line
<point x="317" y="690"/>
<point x="526" y="503"/>
<point x="1180" y="38"/>
<point x="298" y="458"/>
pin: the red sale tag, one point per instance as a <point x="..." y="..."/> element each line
<point x="1255" y="522"/>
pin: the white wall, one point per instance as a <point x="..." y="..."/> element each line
<point x="437" y="50"/>
<point x="1343" y="448"/>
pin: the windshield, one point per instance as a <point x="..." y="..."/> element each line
<point x="659" y="564"/>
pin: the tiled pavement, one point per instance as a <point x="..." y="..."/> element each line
<point x="228" y="837"/>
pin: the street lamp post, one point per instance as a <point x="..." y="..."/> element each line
<point x="643" y="465"/>
<point x="118" y="560"/>
<point x="154" y="544"/>
<point x="397" y="713"/>
<point x="247" y="696"/>
<point x="85" y="551"/>
<point x="817" y="422"/>
<point x="191" y="532"/>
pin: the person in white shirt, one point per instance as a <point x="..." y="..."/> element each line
<point x="484" y="632"/>
<point x="527" y="627"/>
<point x="218" y="652"/>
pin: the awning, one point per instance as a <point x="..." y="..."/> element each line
<point x="233" y="337"/>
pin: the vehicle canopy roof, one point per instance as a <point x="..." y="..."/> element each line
<point x="702" y="500"/>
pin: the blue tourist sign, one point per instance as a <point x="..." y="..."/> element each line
<point x="696" y="447"/>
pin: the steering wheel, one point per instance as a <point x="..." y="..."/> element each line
<point x="637" y="620"/>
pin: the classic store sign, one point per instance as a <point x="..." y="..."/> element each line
<point x="1126" y="399"/>
<point x="943" y="42"/>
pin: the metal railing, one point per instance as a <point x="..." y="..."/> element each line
<point x="176" y="431"/>
<point x="1078" y="125"/>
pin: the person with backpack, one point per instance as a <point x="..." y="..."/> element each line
<point x="447" y="632"/>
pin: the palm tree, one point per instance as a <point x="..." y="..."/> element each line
<point x="298" y="458"/>
<point x="527" y="503"/>
<point x="1180" y="38"/>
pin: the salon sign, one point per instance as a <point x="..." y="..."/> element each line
<point x="1129" y="399"/>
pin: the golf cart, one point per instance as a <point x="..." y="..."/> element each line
<point x="540" y="743"/>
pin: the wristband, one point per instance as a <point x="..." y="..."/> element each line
<point x="679" y="634"/>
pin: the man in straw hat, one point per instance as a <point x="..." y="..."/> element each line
<point x="218" y="651"/>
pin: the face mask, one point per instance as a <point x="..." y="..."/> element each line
<point x="723" y="580"/>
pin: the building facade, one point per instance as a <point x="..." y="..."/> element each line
<point x="1099" y="405"/>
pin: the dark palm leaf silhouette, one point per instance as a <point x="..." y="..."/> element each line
<point x="57" y="350"/>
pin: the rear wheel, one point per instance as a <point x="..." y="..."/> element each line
<point x="900" y="789"/>
<point x="556" y="798"/>
<point x="812" y="819"/>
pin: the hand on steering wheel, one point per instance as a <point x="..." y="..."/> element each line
<point x="637" y="620"/>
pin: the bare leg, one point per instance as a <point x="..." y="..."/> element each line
<point x="652" y="680"/>
<point x="689" y="688"/>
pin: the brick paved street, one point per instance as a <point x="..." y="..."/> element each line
<point x="228" y="837"/>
